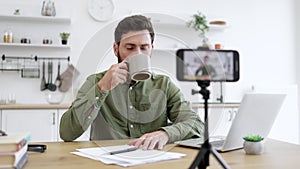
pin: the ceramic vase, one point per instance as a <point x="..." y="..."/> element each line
<point x="64" y="42"/>
<point x="254" y="148"/>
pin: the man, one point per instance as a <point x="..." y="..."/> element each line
<point x="206" y="71"/>
<point x="120" y="109"/>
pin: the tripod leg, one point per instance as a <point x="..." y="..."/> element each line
<point x="219" y="158"/>
<point x="200" y="159"/>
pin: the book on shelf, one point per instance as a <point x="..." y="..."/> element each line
<point x="14" y="142"/>
<point x="14" y="159"/>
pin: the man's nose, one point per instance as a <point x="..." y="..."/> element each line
<point x="138" y="51"/>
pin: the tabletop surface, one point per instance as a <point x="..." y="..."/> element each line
<point x="277" y="154"/>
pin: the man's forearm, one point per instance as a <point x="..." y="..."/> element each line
<point x="185" y="129"/>
<point x="83" y="110"/>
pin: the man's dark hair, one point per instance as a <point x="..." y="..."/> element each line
<point x="133" y="23"/>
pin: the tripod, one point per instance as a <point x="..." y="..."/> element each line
<point x="202" y="158"/>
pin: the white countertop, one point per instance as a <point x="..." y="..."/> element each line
<point x="34" y="106"/>
<point x="65" y="106"/>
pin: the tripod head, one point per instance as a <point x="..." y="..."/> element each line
<point x="203" y="84"/>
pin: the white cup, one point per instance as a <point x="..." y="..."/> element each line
<point x="11" y="98"/>
<point x="2" y="100"/>
<point x="139" y="67"/>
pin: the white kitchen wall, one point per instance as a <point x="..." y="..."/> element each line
<point x="297" y="42"/>
<point x="264" y="33"/>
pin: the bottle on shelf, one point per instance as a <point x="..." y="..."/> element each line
<point x="8" y="37"/>
<point x="5" y="37"/>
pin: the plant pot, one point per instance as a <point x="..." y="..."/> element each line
<point x="254" y="148"/>
<point x="64" y="42"/>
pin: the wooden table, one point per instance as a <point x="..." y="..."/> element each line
<point x="277" y="155"/>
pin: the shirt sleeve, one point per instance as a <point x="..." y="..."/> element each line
<point x="185" y="122"/>
<point x="83" y="110"/>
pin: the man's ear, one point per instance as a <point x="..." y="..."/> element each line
<point x="116" y="49"/>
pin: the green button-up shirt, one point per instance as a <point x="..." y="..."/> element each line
<point x="129" y="111"/>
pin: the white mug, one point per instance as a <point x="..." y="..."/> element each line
<point x="139" y="67"/>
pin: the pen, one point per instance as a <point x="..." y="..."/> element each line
<point x="123" y="151"/>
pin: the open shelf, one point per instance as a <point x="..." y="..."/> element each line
<point x="34" y="45"/>
<point x="218" y="27"/>
<point x="36" y="18"/>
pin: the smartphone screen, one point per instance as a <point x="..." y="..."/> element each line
<point x="207" y="65"/>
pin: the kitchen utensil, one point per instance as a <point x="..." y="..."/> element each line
<point x="30" y="69"/>
<point x="50" y="86"/>
<point x="58" y="80"/>
<point x="43" y="82"/>
<point x="67" y="77"/>
<point x="30" y="73"/>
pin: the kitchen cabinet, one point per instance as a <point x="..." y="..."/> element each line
<point x="220" y="118"/>
<point x="41" y="123"/>
<point x="1" y="119"/>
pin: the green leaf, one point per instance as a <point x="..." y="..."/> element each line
<point x="253" y="138"/>
<point x="199" y="23"/>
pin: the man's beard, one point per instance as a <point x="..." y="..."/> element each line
<point x="119" y="58"/>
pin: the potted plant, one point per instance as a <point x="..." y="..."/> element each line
<point x="64" y="37"/>
<point x="17" y="12"/>
<point x="253" y="144"/>
<point x="199" y="23"/>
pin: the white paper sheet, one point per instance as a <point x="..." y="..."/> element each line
<point x="131" y="158"/>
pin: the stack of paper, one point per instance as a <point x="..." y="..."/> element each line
<point x="131" y="158"/>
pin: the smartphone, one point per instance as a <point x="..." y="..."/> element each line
<point x="207" y="65"/>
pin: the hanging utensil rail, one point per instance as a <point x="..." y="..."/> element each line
<point x="35" y="58"/>
<point x="8" y="64"/>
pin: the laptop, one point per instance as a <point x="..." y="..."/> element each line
<point x="256" y="115"/>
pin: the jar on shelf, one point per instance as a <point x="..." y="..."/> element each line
<point x="8" y="37"/>
<point x="5" y="37"/>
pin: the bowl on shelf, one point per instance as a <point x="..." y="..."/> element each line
<point x="55" y="97"/>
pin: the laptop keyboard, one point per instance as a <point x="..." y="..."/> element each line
<point x="217" y="143"/>
<point x="213" y="142"/>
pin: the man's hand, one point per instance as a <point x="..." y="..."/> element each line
<point x="152" y="140"/>
<point x="115" y="75"/>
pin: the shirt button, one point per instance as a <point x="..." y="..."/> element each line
<point x="130" y="107"/>
<point x="130" y="88"/>
<point x="89" y="117"/>
<point x="131" y="126"/>
<point x="97" y="98"/>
